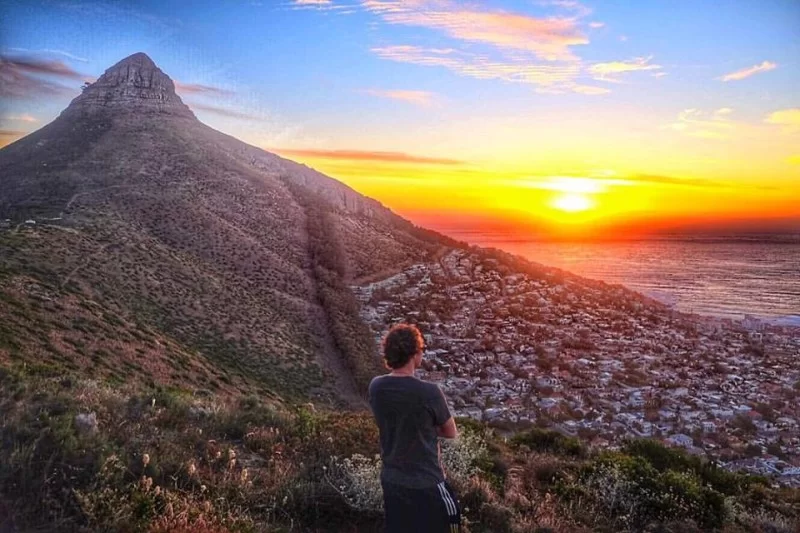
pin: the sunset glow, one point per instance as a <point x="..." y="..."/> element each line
<point x="546" y="116"/>
<point x="572" y="203"/>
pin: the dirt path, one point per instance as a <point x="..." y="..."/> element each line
<point x="329" y="357"/>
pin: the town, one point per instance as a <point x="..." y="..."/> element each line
<point x="517" y="344"/>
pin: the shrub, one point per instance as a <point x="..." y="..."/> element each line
<point x="542" y="440"/>
<point x="636" y="494"/>
<point x="496" y="517"/>
<point x="462" y="456"/>
<point x="357" y="479"/>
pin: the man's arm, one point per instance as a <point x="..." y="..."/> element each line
<point x="448" y="430"/>
<point x="442" y="418"/>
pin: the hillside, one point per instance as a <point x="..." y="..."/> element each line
<point x="128" y="210"/>
<point x="171" y="300"/>
<point x="78" y="455"/>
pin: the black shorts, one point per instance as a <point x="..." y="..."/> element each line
<point x="428" y="510"/>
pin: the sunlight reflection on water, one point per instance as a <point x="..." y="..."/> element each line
<point x="720" y="277"/>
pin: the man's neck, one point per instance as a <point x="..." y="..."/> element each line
<point x="405" y="371"/>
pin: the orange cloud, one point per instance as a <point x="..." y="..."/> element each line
<point x="9" y="136"/>
<point x="420" y="98"/>
<point x="549" y="39"/>
<point x="524" y="49"/>
<point x="358" y="155"/>
<point x="765" y="66"/>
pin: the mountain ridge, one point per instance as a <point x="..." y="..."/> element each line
<point x="151" y="198"/>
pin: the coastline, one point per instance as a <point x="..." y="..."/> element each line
<point x="731" y="278"/>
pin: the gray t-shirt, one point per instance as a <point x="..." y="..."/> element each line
<point x="408" y="411"/>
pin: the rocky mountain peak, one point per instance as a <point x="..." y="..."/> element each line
<point x="135" y="84"/>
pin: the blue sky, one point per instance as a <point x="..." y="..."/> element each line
<point x="508" y="86"/>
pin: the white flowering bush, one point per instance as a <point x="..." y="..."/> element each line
<point x="614" y="492"/>
<point x="460" y="456"/>
<point x="358" y="480"/>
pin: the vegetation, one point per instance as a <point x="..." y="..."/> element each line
<point x="80" y="455"/>
<point x="352" y="337"/>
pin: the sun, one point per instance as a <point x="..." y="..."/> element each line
<point x="573" y="202"/>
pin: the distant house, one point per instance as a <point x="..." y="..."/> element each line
<point x="548" y="382"/>
<point x="679" y="439"/>
<point x="708" y="426"/>
<point x="751" y="323"/>
<point x="636" y="400"/>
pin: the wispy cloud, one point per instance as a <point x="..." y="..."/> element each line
<point x="587" y="89"/>
<point x="420" y="98"/>
<point x="556" y="76"/>
<point x="488" y="43"/>
<point x="593" y="185"/>
<point x="788" y="118"/>
<point x="705" y="124"/>
<point x="321" y="5"/>
<point x="26" y="77"/>
<point x="653" y="179"/>
<point x="49" y="52"/>
<point x="359" y="155"/>
<point x="765" y="66"/>
<point x="612" y="70"/>
<point x="20" y="118"/>
<point x="223" y="111"/>
<point x="34" y="65"/>
<point x="199" y="89"/>
<point x="548" y="38"/>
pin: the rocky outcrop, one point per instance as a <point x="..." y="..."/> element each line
<point x="135" y="85"/>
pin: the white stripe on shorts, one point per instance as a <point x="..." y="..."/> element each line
<point x="448" y="500"/>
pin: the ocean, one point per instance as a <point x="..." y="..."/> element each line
<point x="725" y="277"/>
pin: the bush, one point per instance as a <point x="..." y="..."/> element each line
<point x="220" y="464"/>
<point x="636" y="494"/>
<point x="358" y="480"/>
<point x="462" y="456"/>
<point x="542" y="440"/>
<point x="663" y="458"/>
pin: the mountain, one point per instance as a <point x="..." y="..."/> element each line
<point x="140" y="243"/>
<point x="170" y="299"/>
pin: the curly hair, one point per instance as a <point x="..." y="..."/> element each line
<point x="402" y="343"/>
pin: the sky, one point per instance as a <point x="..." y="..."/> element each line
<point x="551" y="118"/>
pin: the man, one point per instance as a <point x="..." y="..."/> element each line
<point x="411" y="415"/>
